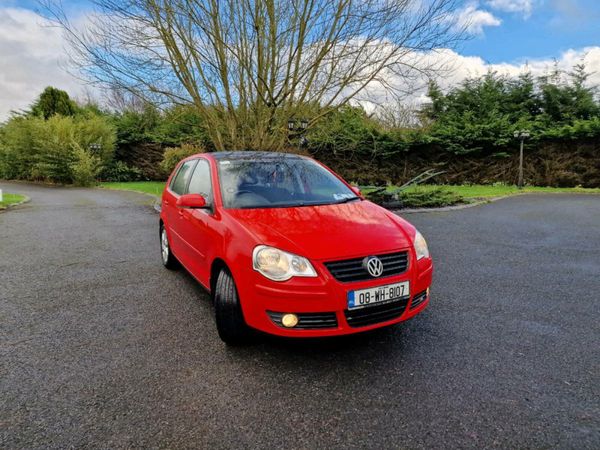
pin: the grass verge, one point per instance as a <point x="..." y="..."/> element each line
<point x="10" y="199"/>
<point x="147" y="187"/>
<point x="476" y="191"/>
<point x="432" y="196"/>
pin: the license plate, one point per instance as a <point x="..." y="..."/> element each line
<point x="363" y="298"/>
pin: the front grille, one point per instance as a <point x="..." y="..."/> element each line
<point x="375" y="314"/>
<point x="418" y="299"/>
<point x="307" y="321"/>
<point x="352" y="269"/>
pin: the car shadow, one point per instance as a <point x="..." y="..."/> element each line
<point x="326" y="345"/>
<point x="379" y="344"/>
<point x="366" y="351"/>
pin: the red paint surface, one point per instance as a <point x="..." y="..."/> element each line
<point x="200" y="238"/>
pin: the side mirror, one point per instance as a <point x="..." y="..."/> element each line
<point x="195" y="201"/>
<point x="356" y="190"/>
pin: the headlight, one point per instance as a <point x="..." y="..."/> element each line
<point x="278" y="265"/>
<point x="421" y="246"/>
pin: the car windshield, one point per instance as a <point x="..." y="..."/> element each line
<point x="278" y="183"/>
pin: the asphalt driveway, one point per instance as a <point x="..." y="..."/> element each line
<point x="102" y="347"/>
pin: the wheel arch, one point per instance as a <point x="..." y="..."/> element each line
<point x="217" y="265"/>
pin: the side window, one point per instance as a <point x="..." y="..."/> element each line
<point x="200" y="181"/>
<point x="179" y="182"/>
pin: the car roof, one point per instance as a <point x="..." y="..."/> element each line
<point x="233" y="155"/>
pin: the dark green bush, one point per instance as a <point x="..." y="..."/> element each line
<point x="416" y="198"/>
<point x="118" y="171"/>
<point x="482" y="114"/>
<point x="429" y="198"/>
<point x="351" y="134"/>
<point x="177" y="125"/>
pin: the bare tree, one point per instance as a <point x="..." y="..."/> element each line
<point x="398" y="114"/>
<point x="121" y="100"/>
<point x="250" y="65"/>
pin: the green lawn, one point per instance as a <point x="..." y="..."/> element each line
<point x="482" y="191"/>
<point x="10" y="199"/>
<point x="465" y="191"/>
<point x="148" y="187"/>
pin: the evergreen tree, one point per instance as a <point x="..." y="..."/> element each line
<point x="583" y="104"/>
<point x="53" y="101"/>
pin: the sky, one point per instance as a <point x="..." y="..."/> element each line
<point x="508" y="36"/>
<point x="518" y="30"/>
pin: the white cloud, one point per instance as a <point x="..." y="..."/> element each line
<point x="461" y="67"/>
<point x="453" y="68"/>
<point x="515" y="6"/>
<point x="472" y="20"/>
<point x="32" y="56"/>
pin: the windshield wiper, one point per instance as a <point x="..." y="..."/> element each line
<point x="346" y="200"/>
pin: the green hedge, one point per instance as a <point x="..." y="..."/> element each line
<point x="60" y="149"/>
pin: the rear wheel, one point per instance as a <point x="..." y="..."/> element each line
<point x="168" y="259"/>
<point x="231" y="325"/>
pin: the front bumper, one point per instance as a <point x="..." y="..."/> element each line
<point x="321" y="302"/>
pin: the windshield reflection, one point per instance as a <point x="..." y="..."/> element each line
<point x="279" y="183"/>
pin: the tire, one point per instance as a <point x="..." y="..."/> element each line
<point x="230" y="321"/>
<point x="167" y="257"/>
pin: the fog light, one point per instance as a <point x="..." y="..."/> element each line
<point x="289" y="320"/>
<point x="427" y="292"/>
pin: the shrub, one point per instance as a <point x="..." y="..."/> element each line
<point x="17" y="147"/>
<point x="350" y="133"/>
<point x="54" y="144"/>
<point x="119" y="171"/>
<point x="97" y="134"/>
<point x="32" y="148"/>
<point x="429" y="198"/>
<point x="85" y="166"/>
<point x="416" y="198"/>
<point x="175" y="154"/>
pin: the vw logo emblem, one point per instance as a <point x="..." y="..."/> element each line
<point x="373" y="265"/>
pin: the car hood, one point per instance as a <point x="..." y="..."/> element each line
<point x="327" y="231"/>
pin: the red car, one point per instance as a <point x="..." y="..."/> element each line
<point x="287" y="247"/>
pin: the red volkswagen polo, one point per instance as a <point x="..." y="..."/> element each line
<point x="287" y="247"/>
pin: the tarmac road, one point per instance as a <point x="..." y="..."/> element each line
<point x="101" y="347"/>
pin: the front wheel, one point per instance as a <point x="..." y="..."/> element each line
<point x="231" y="325"/>
<point x="168" y="259"/>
